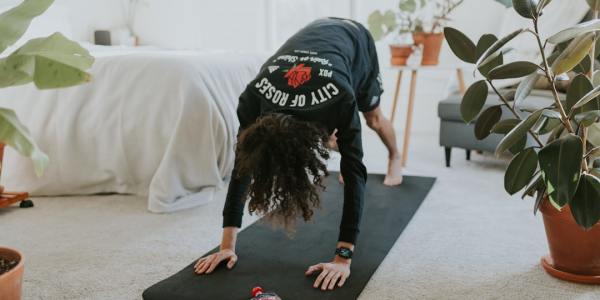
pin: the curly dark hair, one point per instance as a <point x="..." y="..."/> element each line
<point x="285" y="158"/>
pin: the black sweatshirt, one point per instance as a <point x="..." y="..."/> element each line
<point x="318" y="75"/>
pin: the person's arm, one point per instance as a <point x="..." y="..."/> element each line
<point x="355" y="176"/>
<point x="248" y="111"/>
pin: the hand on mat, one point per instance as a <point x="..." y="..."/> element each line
<point x="208" y="264"/>
<point x="331" y="273"/>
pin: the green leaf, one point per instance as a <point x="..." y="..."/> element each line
<point x="526" y="8"/>
<point x="408" y="6"/>
<point x="489" y="66"/>
<point x="473" y="100"/>
<point x="591" y="95"/>
<point x="513" y="70"/>
<point x="560" y="162"/>
<point x="580" y="86"/>
<point x="16" y="135"/>
<point x="572" y="32"/>
<point x="51" y="62"/>
<point x="594" y="4"/>
<point x="541" y="5"/>
<point x="58" y="48"/>
<point x="484" y="43"/>
<point x="11" y="74"/>
<point x="585" y="205"/>
<point x="548" y="125"/>
<point x="488" y="55"/>
<point x="534" y="186"/>
<point x="577" y="50"/>
<point x="380" y="24"/>
<point x="518" y="133"/>
<point x="586" y="119"/>
<point x="461" y="45"/>
<point x="520" y="171"/>
<point x="486" y="121"/>
<point x="505" y="126"/>
<point x="14" y="22"/>
<point x="525" y="87"/>
<point x="594" y="134"/>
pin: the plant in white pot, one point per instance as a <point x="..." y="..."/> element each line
<point x="49" y="62"/>
<point x="418" y="22"/>
<point x="561" y="171"/>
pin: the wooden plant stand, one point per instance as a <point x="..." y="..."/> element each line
<point x="10" y="198"/>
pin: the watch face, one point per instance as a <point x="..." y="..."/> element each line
<point x="344" y="252"/>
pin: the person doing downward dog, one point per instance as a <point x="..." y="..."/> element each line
<point x="307" y="96"/>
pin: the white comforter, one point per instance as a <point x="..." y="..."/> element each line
<point x="152" y="122"/>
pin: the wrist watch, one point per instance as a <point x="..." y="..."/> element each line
<point x="344" y="252"/>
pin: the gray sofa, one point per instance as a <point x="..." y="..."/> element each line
<point x="455" y="133"/>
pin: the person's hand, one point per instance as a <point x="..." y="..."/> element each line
<point x="208" y="264"/>
<point x="334" y="272"/>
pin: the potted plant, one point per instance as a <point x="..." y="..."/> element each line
<point x="11" y="274"/>
<point x="400" y="22"/>
<point x="425" y="19"/>
<point x="562" y="170"/>
<point x="49" y="62"/>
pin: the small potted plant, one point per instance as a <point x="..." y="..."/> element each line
<point x="48" y="62"/>
<point x="425" y="19"/>
<point x="384" y="24"/>
<point x="11" y="274"/>
<point x="432" y="36"/>
<point x="562" y="170"/>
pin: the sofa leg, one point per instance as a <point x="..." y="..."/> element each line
<point x="468" y="154"/>
<point x="448" y="151"/>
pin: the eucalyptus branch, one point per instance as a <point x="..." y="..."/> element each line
<point x="514" y="112"/>
<point x="563" y="115"/>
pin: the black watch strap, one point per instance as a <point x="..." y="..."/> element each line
<point x="344" y="252"/>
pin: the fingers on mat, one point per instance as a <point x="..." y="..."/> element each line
<point x="342" y="280"/>
<point x="320" y="279"/>
<point x="327" y="280"/>
<point x="334" y="280"/>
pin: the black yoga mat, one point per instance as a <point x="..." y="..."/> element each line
<point x="268" y="258"/>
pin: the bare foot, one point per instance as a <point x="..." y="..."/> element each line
<point x="394" y="174"/>
<point x="341" y="179"/>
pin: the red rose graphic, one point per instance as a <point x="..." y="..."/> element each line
<point x="298" y="75"/>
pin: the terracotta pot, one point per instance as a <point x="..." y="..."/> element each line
<point x="418" y="38"/>
<point x="10" y="282"/>
<point x="574" y="252"/>
<point x="432" y="44"/>
<point x="400" y="54"/>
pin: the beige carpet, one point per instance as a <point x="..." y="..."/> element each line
<point x="469" y="240"/>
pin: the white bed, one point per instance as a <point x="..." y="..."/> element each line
<point x="152" y="122"/>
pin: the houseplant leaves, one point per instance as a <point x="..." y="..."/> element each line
<point x="473" y="100"/>
<point x="50" y="62"/>
<point x="577" y="50"/>
<point x="381" y="24"/>
<point x="524" y="88"/>
<point x="14" y="22"/>
<point x="461" y="45"/>
<point x="16" y="135"/>
<point x="518" y="133"/>
<point x="580" y="86"/>
<point x="513" y="70"/>
<point x="560" y="162"/>
<point x="526" y="8"/>
<point x="520" y="171"/>
<point x="585" y="205"/>
<point x="489" y="54"/>
<point x="486" y="121"/>
<point x="572" y="32"/>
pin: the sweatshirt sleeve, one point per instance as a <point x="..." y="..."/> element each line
<point x="248" y="111"/>
<point x="354" y="172"/>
